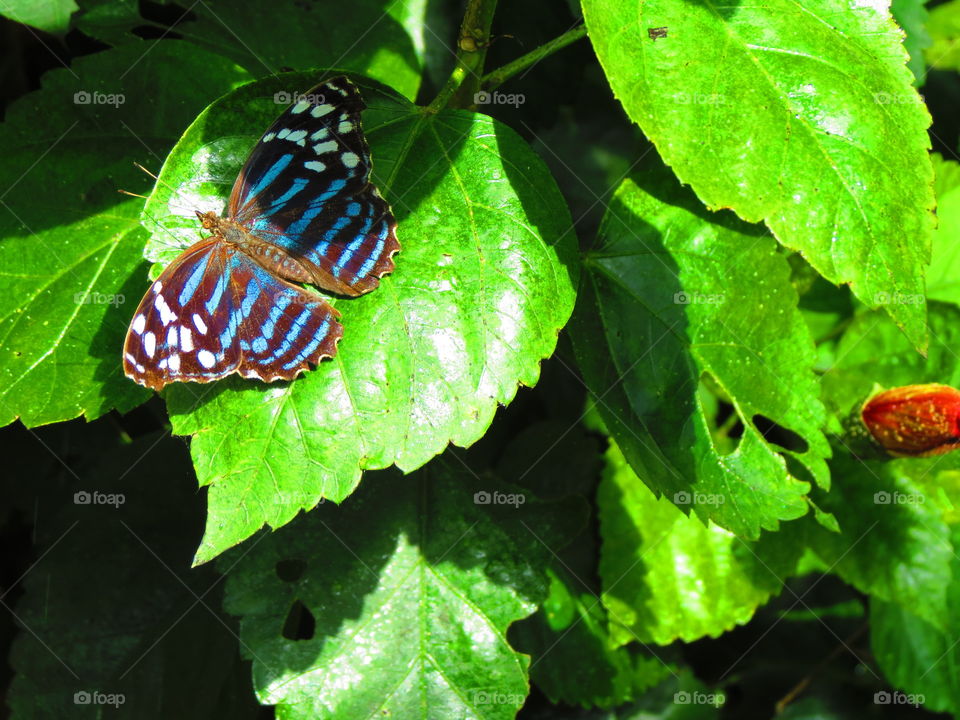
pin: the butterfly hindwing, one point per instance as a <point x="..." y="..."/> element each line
<point x="214" y="311"/>
<point x="306" y="188"/>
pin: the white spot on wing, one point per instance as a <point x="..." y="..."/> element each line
<point x="172" y="340"/>
<point x="138" y="323"/>
<point x="199" y="324"/>
<point x="326" y="147"/>
<point x="315" y="165"/>
<point x="186" y="339"/>
<point x="298" y="135"/>
<point x="166" y="315"/>
<point x="350" y="159"/>
<point x="149" y="343"/>
<point x="206" y="358"/>
<point x="268" y="137"/>
<point x="300" y="107"/>
<point x="320" y="110"/>
<point x="174" y="363"/>
<point x="345" y="127"/>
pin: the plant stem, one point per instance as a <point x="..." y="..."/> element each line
<point x="502" y="74"/>
<point x="472" y="43"/>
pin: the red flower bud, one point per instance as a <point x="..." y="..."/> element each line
<point x="915" y="420"/>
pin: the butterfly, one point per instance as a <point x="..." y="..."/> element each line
<point x="302" y="210"/>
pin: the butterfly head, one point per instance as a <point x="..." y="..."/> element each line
<point x="208" y="220"/>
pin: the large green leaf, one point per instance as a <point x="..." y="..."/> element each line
<point x="480" y="291"/>
<point x="382" y="39"/>
<point x="674" y="294"/>
<point x="800" y="115"/>
<point x="69" y="243"/>
<point x="667" y="576"/>
<point x="406" y="591"/>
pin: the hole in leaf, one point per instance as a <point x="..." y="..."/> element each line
<point x="300" y="623"/>
<point x="779" y="435"/>
<point x="291" y="570"/>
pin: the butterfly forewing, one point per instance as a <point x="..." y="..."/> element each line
<point x="214" y="311"/>
<point x="306" y="188"/>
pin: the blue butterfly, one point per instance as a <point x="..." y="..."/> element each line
<point x="302" y="210"/>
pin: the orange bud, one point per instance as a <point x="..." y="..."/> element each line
<point x="915" y="420"/>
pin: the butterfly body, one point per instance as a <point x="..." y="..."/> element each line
<point x="302" y="210"/>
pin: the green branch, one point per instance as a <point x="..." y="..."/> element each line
<point x="472" y="45"/>
<point x="502" y="74"/>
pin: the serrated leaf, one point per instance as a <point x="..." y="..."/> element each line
<point x="482" y="287"/>
<point x="377" y="38"/>
<point x="69" y="243"/>
<point x="800" y="115"/>
<point x="667" y="576"/>
<point x="411" y="586"/>
<point x="672" y="294"/>
<point x="52" y="16"/>
<point x="911" y="16"/>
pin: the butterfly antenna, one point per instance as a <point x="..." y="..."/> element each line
<point x="126" y="192"/>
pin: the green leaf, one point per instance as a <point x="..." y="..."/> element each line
<point x="800" y="115"/>
<point x="381" y="39"/>
<point x="872" y="352"/>
<point x="944" y="28"/>
<point x="577" y="662"/>
<point x="911" y="16"/>
<point x="110" y="605"/>
<point x="69" y="242"/>
<point x="943" y="277"/>
<point x="667" y="576"/>
<point x="675" y="295"/>
<point x="410" y="586"/>
<point x="919" y="657"/>
<point x="480" y="291"/>
<point x="52" y="16"/>
<point x="894" y="542"/>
